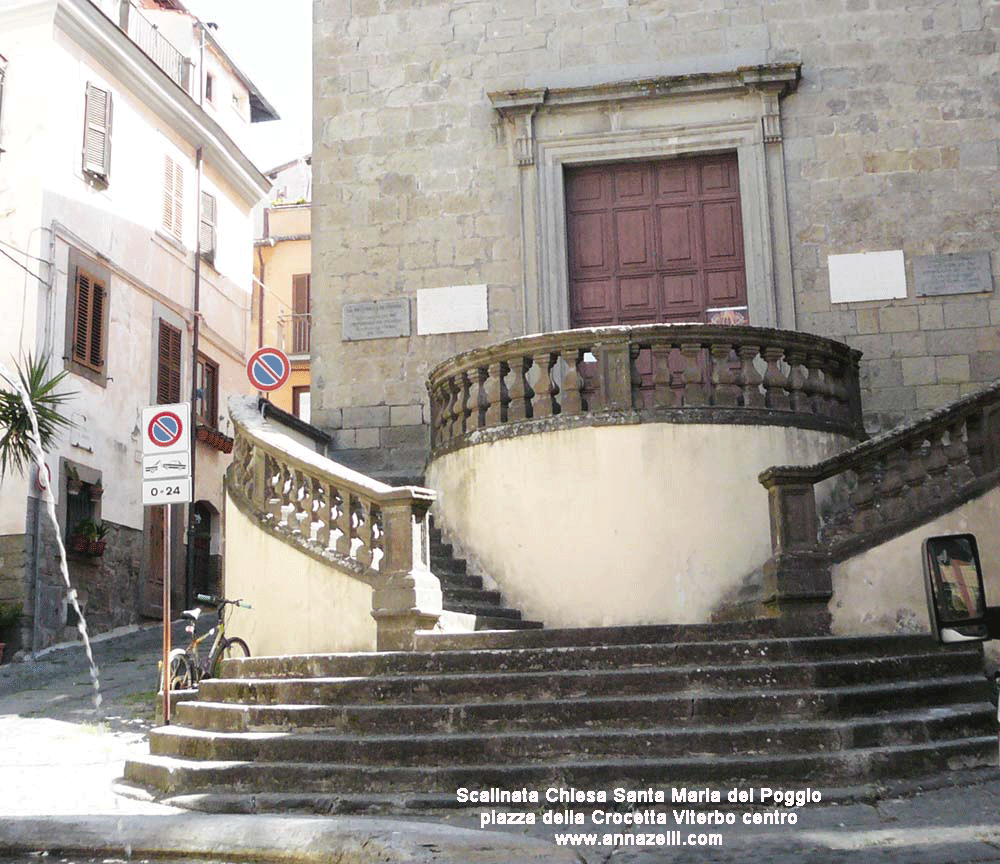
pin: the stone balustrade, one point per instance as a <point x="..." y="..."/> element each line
<point x="693" y="373"/>
<point x="877" y="490"/>
<point x="376" y="532"/>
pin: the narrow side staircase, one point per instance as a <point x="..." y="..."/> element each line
<point x="464" y="593"/>
<point x="660" y="706"/>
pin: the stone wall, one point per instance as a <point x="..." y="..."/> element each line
<point x="889" y="143"/>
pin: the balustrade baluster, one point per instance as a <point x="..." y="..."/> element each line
<point x="345" y="507"/>
<point x="482" y="402"/>
<point x="324" y="514"/>
<point x="496" y="393"/>
<point x="634" y="376"/>
<point x="694" y="387"/>
<point x="364" y="531"/>
<point x="798" y="400"/>
<point x="572" y="399"/>
<point x="726" y="392"/>
<point x="976" y="441"/>
<point x="750" y="378"/>
<point x="448" y="398"/>
<point x="863" y="515"/>
<point x="301" y="501"/>
<point x="544" y="389"/>
<point x="775" y="382"/>
<point x="937" y="465"/>
<point x="818" y="394"/>
<point x="462" y="409"/>
<point x="959" y="471"/>
<point x="519" y="390"/>
<point x="914" y="473"/>
<point x="663" y="393"/>
<point x="891" y="490"/>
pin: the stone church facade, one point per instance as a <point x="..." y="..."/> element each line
<point x="484" y="170"/>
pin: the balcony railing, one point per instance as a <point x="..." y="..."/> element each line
<point x="684" y="373"/>
<point x="296" y="332"/>
<point x="155" y="45"/>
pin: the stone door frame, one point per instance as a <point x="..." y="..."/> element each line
<point x="736" y="111"/>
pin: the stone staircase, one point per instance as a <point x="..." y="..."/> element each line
<point x="464" y="593"/>
<point x="597" y="708"/>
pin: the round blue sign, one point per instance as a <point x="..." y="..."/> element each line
<point x="165" y="429"/>
<point x="268" y="369"/>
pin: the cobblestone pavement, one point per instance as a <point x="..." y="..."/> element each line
<point x="62" y="756"/>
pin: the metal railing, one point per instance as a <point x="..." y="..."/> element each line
<point x="154" y="44"/>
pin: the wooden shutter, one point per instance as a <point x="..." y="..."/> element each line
<point x="168" y="370"/>
<point x="300" y="294"/>
<point x="81" y="318"/>
<point x="173" y="198"/>
<point x="89" y="320"/>
<point x="206" y="228"/>
<point x="301" y="329"/>
<point x="97" y="132"/>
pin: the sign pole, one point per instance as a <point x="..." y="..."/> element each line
<point x="166" y="614"/>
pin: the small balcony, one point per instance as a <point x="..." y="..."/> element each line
<point x="295" y="331"/>
<point x="154" y="44"/>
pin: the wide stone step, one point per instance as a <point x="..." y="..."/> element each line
<point x="574" y="684"/>
<point x="741" y="653"/>
<point x="443" y="749"/>
<point x="170" y="775"/>
<point x="457" y="580"/>
<point x="706" y="706"/>
<point x="487" y="622"/>
<point x="478" y="596"/>
<point x="768" y="628"/>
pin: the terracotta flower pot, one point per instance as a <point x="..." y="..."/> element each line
<point x="203" y="433"/>
<point x="96" y="547"/>
<point x="78" y="543"/>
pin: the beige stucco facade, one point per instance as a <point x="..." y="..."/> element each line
<point x="607" y="525"/>
<point x="302" y="605"/>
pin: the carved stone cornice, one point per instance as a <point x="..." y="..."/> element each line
<point x="772" y="81"/>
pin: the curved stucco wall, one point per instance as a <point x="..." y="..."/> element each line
<point x="645" y="523"/>
<point x="882" y="590"/>
<point x="300" y="605"/>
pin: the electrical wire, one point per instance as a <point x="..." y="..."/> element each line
<point x="25" y="269"/>
<point x="22" y="252"/>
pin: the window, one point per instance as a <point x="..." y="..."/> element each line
<point x="173" y="198"/>
<point x="209" y="86"/>
<point x="168" y="368"/>
<point x="97" y="134"/>
<point x="301" y="403"/>
<point x="206" y="227"/>
<point x="206" y="406"/>
<point x="301" y="318"/>
<point x="87" y="318"/>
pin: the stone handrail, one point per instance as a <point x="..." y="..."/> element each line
<point x="372" y="531"/>
<point x="888" y="484"/>
<point x="696" y="373"/>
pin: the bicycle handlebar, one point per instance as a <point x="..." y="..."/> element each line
<point x="221" y="601"/>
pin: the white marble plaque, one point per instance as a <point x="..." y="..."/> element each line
<point x="455" y="309"/>
<point x="934" y="275"/>
<point x="867" y="276"/>
<point x="379" y="319"/>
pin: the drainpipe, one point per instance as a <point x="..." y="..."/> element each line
<point x="189" y="568"/>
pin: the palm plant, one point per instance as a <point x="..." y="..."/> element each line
<point x="15" y="443"/>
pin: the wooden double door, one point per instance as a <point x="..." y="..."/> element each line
<point x="655" y="241"/>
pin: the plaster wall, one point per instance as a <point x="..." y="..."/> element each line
<point x="614" y="525"/>
<point x="882" y="590"/>
<point x="300" y="605"/>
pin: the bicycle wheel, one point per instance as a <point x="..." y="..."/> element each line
<point x="233" y="648"/>
<point x="180" y="672"/>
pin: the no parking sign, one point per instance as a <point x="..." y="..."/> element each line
<point x="166" y="453"/>
<point x="268" y="369"/>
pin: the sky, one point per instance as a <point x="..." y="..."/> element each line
<point x="272" y="43"/>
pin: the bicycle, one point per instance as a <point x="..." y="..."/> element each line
<point x="185" y="665"/>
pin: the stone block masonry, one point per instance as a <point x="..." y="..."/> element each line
<point x="889" y="142"/>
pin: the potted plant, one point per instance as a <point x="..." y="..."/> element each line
<point x="96" y="491"/>
<point x="202" y="432"/>
<point x="88" y="537"/>
<point x="10" y="614"/>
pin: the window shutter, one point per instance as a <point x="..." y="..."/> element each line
<point x="206" y="229"/>
<point x="97" y="326"/>
<point x="300" y="294"/>
<point x="173" y="198"/>
<point x="97" y="132"/>
<point x="81" y="330"/>
<point x="168" y="371"/>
